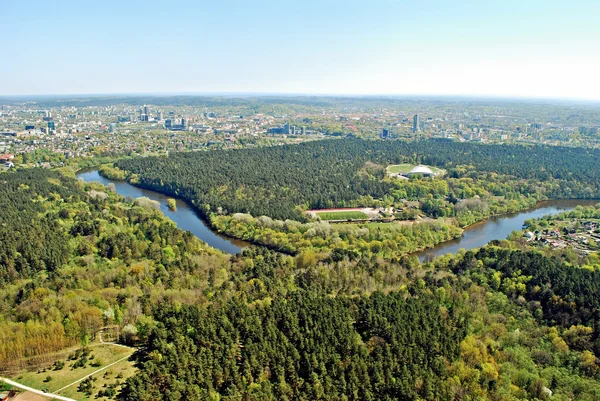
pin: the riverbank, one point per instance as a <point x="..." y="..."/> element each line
<point x="224" y="236"/>
<point x="185" y="216"/>
<point x="500" y="227"/>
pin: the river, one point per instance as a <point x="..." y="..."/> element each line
<point x="500" y="227"/>
<point x="475" y="236"/>
<point x="185" y="216"/>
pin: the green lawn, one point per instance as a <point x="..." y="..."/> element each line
<point x="103" y="355"/>
<point x="5" y="387"/>
<point x="400" y="168"/>
<point x="117" y="373"/>
<point x="342" y="215"/>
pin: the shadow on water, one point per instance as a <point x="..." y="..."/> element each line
<point x="185" y="216"/>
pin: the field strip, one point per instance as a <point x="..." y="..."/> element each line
<point x="22" y="387"/>
<point x="91" y="374"/>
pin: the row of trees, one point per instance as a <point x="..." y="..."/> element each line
<point x="384" y="240"/>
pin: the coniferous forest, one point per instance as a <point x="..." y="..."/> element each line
<point x="279" y="181"/>
<point x="342" y="314"/>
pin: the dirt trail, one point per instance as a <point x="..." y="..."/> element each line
<point x="91" y="374"/>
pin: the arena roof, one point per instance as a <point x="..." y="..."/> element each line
<point x="420" y="169"/>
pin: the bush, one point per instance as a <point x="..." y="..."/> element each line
<point x="86" y="387"/>
<point x="97" y="363"/>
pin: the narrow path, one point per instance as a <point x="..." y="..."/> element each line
<point x="112" y="343"/>
<point x="91" y="374"/>
<point x="32" y="390"/>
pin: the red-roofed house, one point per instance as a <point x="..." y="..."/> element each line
<point x="6" y="157"/>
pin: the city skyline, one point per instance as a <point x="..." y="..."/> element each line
<point x="508" y="50"/>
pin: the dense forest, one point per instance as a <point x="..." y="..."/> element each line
<point x="304" y="346"/>
<point x="282" y="181"/>
<point x="564" y="295"/>
<point x="346" y="318"/>
<point x="75" y="257"/>
<point x="467" y="331"/>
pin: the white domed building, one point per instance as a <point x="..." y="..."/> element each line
<point x="421" y="170"/>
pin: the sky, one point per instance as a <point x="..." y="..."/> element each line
<point x="498" y="48"/>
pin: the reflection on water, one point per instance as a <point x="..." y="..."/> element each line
<point x="498" y="228"/>
<point x="185" y="217"/>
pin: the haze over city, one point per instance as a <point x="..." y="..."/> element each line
<point x="536" y="49"/>
<point x="299" y="200"/>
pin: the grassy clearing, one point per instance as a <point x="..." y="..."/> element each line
<point x="53" y="379"/>
<point x="342" y="215"/>
<point x="115" y="375"/>
<point x="400" y="168"/>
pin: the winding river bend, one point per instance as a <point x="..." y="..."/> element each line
<point x="185" y="216"/>
<point x="500" y="227"/>
<point x="475" y="236"/>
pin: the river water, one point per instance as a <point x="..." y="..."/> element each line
<point x="475" y="236"/>
<point x="185" y="216"/>
<point x="500" y="227"/>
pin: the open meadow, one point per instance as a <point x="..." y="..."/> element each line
<point x="106" y="365"/>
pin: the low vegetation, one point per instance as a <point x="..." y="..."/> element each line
<point x="172" y="203"/>
<point x="79" y="363"/>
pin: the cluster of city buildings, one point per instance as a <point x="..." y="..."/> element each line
<point x="81" y="128"/>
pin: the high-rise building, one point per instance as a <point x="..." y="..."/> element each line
<point x="51" y="125"/>
<point x="112" y="127"/>
<point x="145" y="114"/>
<point x="286" y="128"/>
<point x="385" y="133"/>
<point x="175" y="127"/>
<point x="416" y="125"/>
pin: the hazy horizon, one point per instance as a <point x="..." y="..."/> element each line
<point x="409" y="97"/>
<point x="538" y="50"/>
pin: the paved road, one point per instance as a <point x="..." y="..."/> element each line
<point x="32" y="390"/>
